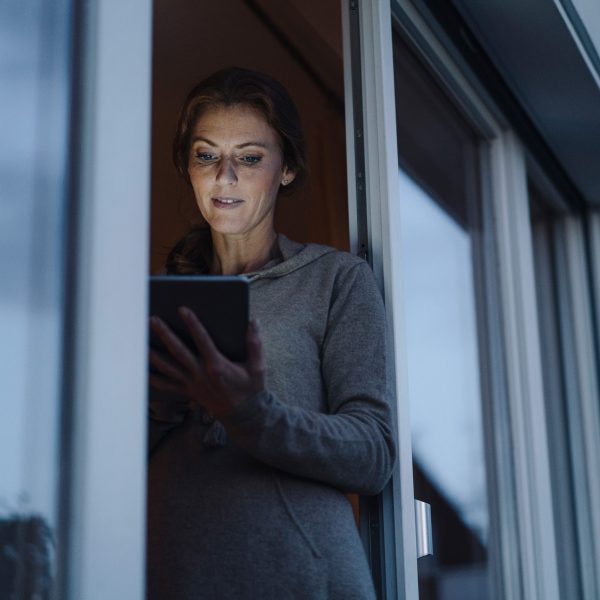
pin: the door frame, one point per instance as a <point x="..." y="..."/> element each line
<point x="103" y="484"/>
<point x="520" y="464"/>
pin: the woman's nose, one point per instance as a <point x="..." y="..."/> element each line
<point x="226" y="171"/>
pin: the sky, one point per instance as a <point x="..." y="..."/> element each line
<point x="442" y="353"/>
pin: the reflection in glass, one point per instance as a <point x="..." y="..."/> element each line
<point x="33" y="46"/>
<point x="444" y="392"/>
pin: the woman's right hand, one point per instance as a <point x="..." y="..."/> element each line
<point x="209" y="379"/>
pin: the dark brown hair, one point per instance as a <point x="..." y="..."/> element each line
<point x="235" y="86"/>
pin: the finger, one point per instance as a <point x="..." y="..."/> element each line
<point x="165" y="367"/>
<point x="201" y="337"/>
<point x="177" y="349"/>
<point x="255" y="359"/>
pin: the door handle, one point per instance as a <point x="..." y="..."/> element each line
<point x="423" y="528"/>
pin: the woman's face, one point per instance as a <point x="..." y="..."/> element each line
<point x="235" y="167"/>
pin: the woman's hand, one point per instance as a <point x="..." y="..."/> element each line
<point x="209" y="380"/>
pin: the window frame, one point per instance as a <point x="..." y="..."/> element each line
<point x="103" y="495"/>
<point x="582" y="391"/>
<point x="565" y="250"/>
<point x="521" y="467"/>
<point x="368" y="78"/>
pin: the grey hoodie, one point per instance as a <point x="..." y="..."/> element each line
<point x="255" y="507"/>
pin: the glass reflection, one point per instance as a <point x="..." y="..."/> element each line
<point x="444" y="392"/>
<point x="35" y="69"/>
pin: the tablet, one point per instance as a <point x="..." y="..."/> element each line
<point x="220" y="302"/>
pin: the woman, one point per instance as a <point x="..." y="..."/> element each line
<point x="247" y="483"/>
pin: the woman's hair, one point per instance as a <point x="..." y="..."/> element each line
<point x="242" y="87"/>
<point x="233" y="87"/>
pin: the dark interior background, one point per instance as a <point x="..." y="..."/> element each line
<point x="298" y="42"/>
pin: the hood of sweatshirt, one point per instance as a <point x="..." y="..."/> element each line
<point x="294" y="256"/>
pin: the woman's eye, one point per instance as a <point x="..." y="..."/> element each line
<point x="251" y="160"/>
<point x="205" y="156"/>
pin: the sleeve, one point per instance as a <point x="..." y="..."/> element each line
<point x="351" y="447"/>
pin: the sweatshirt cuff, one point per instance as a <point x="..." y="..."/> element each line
<point x="247" y="410"/>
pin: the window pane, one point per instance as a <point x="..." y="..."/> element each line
<point x="33" y="40"/>
<point x="439" y="207"/>
<point x="442" y="338"/>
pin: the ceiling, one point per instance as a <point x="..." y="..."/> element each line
<point x="544" y="53"/>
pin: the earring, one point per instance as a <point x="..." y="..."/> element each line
<point x="284" y="182"/>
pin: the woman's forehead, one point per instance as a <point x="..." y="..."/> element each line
<point x="236" y="125"/>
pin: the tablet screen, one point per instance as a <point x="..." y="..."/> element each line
<point x="220" y="302"/>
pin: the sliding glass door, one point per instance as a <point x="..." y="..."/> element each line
<point x="438" y="195"/>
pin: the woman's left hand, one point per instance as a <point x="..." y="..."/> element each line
<point x="209" y="380"/>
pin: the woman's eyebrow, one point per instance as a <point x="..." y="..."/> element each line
<point x="259" y="144"/>
<point x="200" y="138"/>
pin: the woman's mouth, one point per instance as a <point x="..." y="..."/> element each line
<point x="226" y="202"/>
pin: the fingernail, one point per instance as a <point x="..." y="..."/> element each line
<point x="183" y="311"/>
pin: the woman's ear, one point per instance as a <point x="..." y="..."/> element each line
<point x="287" y="176"/>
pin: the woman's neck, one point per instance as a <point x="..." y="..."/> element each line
<point x="235" y="255"/>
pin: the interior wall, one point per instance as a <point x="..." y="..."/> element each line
<point x="194" y="38"/>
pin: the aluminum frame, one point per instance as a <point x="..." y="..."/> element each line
<point x="105" y="488"/>
<point x="395" y="573"/>
<point x="536" y="536"/>
<point x="582" y="392"/>
<point x="545" y="248"/>
<point x="593" y="231"/>
<point x="524" y="419"/>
